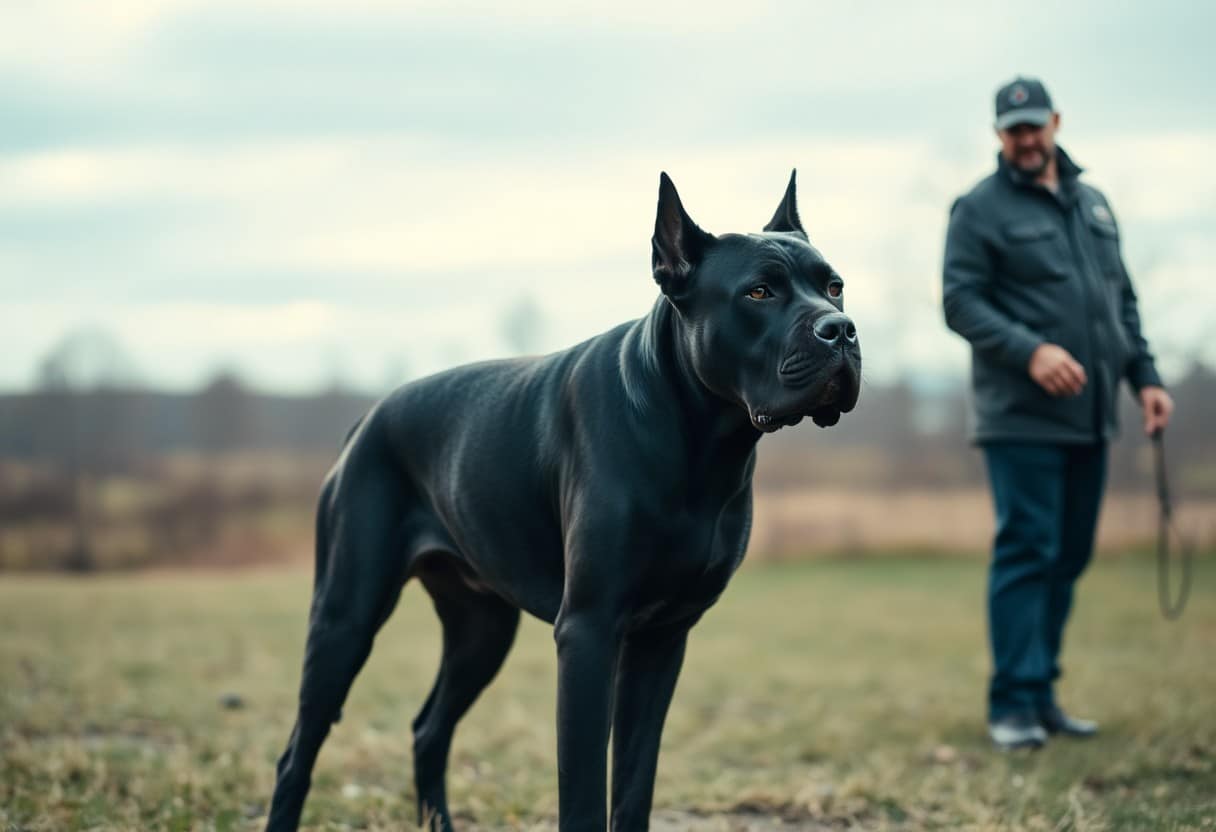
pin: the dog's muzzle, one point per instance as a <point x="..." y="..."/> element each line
<point x="825" y="370"/>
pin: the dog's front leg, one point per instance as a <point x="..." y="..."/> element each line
<point x="646" y="678"/>
<point x="588" y="643"/>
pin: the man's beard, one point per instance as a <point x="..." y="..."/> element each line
<point x="1036" y="169"/>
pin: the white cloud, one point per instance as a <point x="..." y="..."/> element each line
<point x="79" y="42"/>
<point x="1154" y="177"/>
<point x="571" y="229"/>
<point x="296" y="240"/>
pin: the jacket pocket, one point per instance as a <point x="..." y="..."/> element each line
<point x="1034" y="250"/>
<point x="1106" y="243"/>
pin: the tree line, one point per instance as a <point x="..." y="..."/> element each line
<point x="62" y="443"/>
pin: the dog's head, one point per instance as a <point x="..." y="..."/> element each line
<point x="762" y="315"/>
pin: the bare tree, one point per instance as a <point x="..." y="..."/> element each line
<point x="224" y="413"/>
<point x="85" y="386"/>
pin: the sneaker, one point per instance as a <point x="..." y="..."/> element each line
<point x="1017" y="731"/>
<point x="1055" y="721"/>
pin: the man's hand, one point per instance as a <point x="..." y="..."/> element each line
<point x="1157" y="406"/>
<point x="1055" y="370"/>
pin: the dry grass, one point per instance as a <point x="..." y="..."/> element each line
<point x="919" y="520"/>
<point x="230" y="509"/>
<point x="818" y="695"/>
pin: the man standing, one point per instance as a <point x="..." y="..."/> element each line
<point x="1034" y="280"/>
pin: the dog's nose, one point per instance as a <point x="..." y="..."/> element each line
<point x="835" y="329"/>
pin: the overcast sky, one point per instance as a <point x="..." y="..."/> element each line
<point x="374" y="190"/>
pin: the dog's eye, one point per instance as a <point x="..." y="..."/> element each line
<point x="835" y="289"/>
<point x="759" y="293"/>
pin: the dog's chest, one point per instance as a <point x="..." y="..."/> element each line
<point x="702" y="551"/>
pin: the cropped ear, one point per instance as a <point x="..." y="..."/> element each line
<point x="678" y="243"/>
<point x="786" y="218"/>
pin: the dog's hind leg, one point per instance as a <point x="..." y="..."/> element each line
<point x="360" y="572"/>
<point x="478" y="630"/>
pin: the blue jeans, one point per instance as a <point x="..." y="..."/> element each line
<point x="1046" y="498"/>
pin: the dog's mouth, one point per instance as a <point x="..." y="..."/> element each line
<point x="799" y="368"/>
<point x="836" y="394"/>
<point x="768" y="423"/>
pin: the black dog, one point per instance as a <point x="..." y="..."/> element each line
<point x="605" y="489"/>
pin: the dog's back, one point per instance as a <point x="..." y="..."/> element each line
<point x="481" y="451"/>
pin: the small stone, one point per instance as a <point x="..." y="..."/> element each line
<point x="232" y="701"/>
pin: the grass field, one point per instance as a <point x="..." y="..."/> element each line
<point x="816" y="695"/>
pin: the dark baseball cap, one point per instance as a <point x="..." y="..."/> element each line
<point x="1022" y="101"/>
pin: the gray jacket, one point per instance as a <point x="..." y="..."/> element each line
<point x="1024" y="266"/>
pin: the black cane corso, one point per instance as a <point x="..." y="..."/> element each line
<point x="606" y="489"/>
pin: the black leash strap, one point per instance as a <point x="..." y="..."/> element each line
<point x="1171" y="608"/>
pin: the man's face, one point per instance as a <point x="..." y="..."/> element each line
<point x="1029" y="147"/>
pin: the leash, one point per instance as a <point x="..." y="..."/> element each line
<point x="1171" y="606"/>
